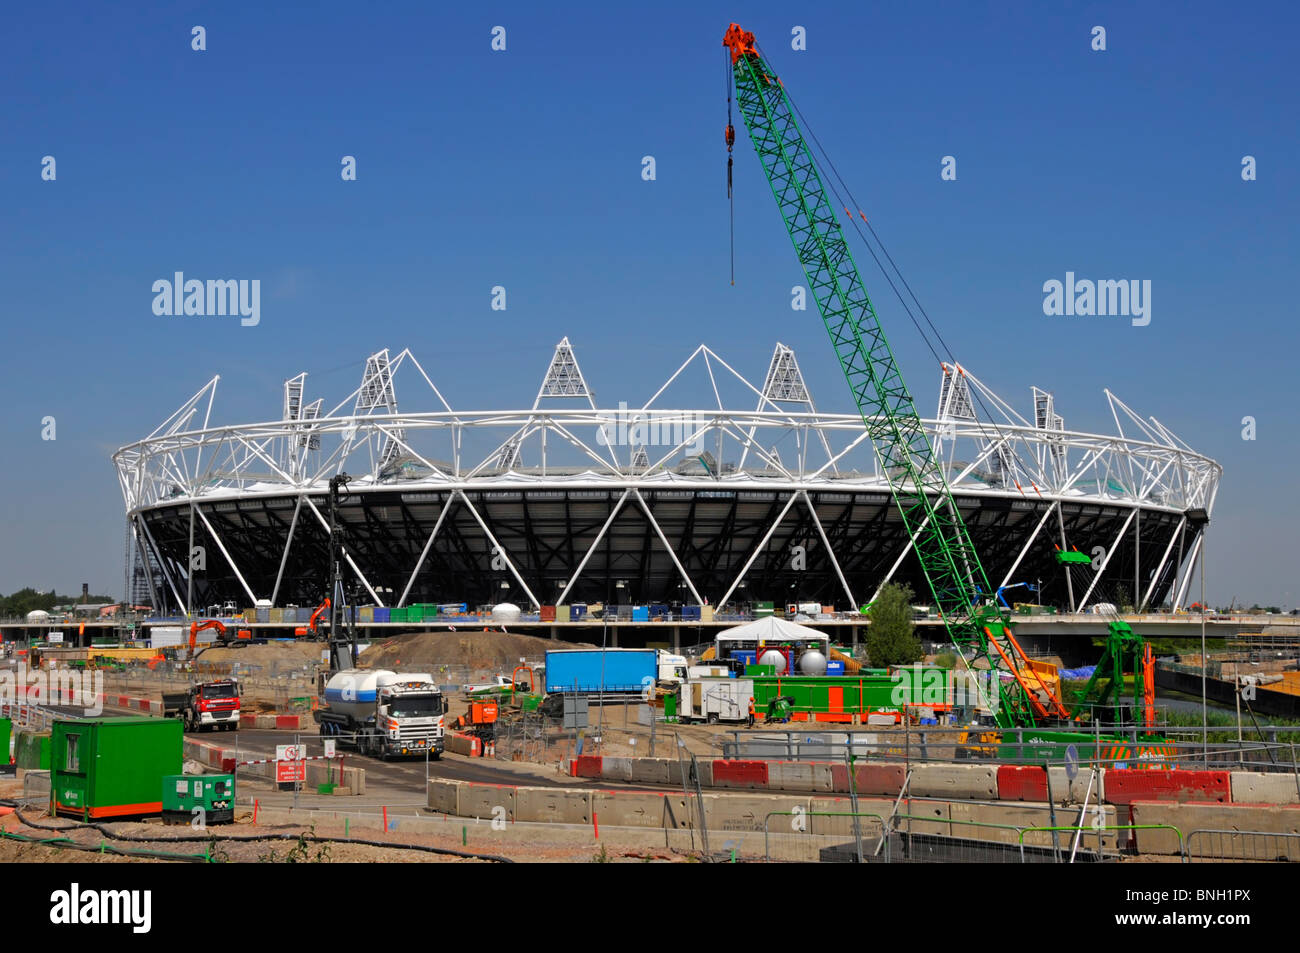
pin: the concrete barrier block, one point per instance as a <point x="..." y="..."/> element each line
<point x="461" y="744"/>
<point x="747" y="812"/>
<point x="264" y="722"/>
<point x="651" y="771"/>
<point x="830" y="815"/>
<point x="257" y="770"/>
<point x="924" y="817"/>
<point x="1126" y="785"/>
<point x="1247" y="829"/>
<point x="740" y="774"/>
<point x="1065" y="791"/>
<point x="1258" y="787"/>
<point x="1018" y="782"/>
<point x="641" y="809"/>
<point x="444" y="797"/>
<point x="553" y="805"/>
<point x="885" y="778"/>
<point x="810" y="776"/>
<point x="247" y="720"/>
<point x="482" y="800"/>
<point x="704" y="769"/>
<point x="355" y="779"/>
<point x="955" y="780"/>
<point x="969" y="820"/>
<point x="586" y="766"/>
<point x="616" y="769"/>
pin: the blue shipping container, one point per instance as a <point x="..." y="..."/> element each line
<point x="591" y="670"/>
<point x="383" y="614"/>
<point x="834" y="668"/>
<point x="577" y="612"/>
<point x="690" y="613"/>
<point x="640" y="614"/>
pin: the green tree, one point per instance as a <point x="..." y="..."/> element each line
<point x="891" y="636"/>
<point x="946" y="660"/>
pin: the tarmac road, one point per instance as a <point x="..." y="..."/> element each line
<point x="405" y="775"/>
<point x="397" y="782"/>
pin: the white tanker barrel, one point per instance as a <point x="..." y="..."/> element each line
<point x="812" y="662"/>
<point x="353" y="691"/>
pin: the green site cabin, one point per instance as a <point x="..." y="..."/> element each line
<point x="111" y="768"/>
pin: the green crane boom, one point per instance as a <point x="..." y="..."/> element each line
<point x="943" y="545"/>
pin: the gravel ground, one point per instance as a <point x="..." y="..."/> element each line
<point x="308" y="844"/>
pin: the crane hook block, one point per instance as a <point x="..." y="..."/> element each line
<point x="731" y="136"/>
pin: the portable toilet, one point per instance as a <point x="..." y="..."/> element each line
<point x="112" y="767"/>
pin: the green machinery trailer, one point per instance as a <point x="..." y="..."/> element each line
<point x="208" y="797"/>
<point x="112" y="767"/>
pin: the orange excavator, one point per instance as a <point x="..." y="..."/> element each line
<point x="223" y="636"/>
<point x="313" y="624"/>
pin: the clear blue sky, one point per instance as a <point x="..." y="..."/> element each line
<point x="523" y="168"/>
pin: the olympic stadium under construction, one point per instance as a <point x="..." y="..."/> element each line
<point x="760" y="497"/>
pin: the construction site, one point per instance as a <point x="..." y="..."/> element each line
<point x="485" y="637"/>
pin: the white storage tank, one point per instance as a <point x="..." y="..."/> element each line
<point x="505" y="612"/>
<point x="38" y="615"/>
<point x="812" y="662"/>
<point x="775" y="659"/>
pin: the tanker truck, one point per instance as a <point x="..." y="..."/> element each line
<point x="383" y="713"/>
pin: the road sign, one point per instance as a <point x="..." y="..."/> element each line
<point x="54" y="637"/>
<point x="1071" y="762"/>
<point x="329" y="747"/>
<point x="289" y="771"/>
<point x="290" y="752"/>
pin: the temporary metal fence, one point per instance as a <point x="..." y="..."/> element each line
<point x="30" y="717"/>
<point x="36" y="787"/>
<point x="846" y="837"/>
<point x="943" y="745"/>
<point x="1220" y="846"/>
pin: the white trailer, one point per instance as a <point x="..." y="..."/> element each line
<point x="716" y="699"/>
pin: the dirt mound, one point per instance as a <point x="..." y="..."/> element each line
<point x="496" y="651"/>
<point x="285" y="655"/>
